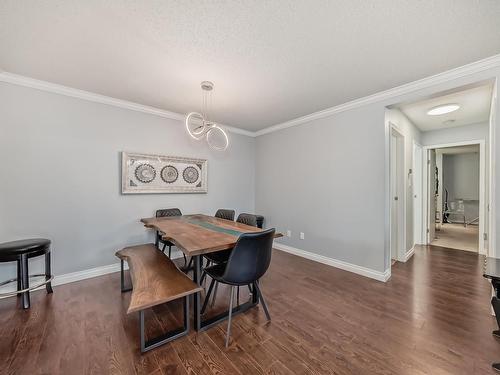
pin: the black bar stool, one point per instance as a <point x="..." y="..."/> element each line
<point x="20" y="251"/>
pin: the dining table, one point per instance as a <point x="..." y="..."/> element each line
<point x="196" y="235"/>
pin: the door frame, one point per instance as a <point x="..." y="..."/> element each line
<point x="417" y="190"/>
<point x="401" y="187"/>
<point x="482" y="186"/>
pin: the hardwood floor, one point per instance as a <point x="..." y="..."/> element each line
<point x="456" y="236"/>
<point x="432" y="317"/>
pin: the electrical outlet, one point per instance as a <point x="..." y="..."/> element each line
<point x="302" y="236"/>
<point x="289" y="233"/>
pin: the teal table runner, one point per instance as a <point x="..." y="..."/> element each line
<point x="213" y="227"/>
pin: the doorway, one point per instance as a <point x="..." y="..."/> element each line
<point x="417" y="193"/>
<point x="398" y="199"/>
<point x="455" y="184"/>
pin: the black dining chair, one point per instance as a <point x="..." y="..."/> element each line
<point x="225" y="214"/>
<point x="248" y="262"/>
<point x="247" y="219"/>
<point x="167" y="212"/>
<point x="223" y="256"/>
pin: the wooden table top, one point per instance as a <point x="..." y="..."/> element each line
<point x="200" y="234"/>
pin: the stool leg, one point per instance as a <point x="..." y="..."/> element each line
<point x="48" y="273"/>
<point x="19" y="281"/>
<point x="25" y="280"/>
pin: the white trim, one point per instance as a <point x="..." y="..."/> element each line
<point x="409" y="254"/>
<point x="463" y="71"/>
<point x="402" y="193"/>
<point x="363" y="271"/>
<point x="492" y="174"/>
<point x="482" y="187"/>
<point x="417" y="189"/>
<point x="82" y="275"/>
<point x="54" y="88"/>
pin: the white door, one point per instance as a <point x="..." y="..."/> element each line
<point x="395" y="201"/>
<point x="431" y="196"/>
<point x="417" y="194"/>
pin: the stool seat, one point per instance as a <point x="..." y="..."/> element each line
<point x="20" y="251"/>
<point x="24" y="246"/>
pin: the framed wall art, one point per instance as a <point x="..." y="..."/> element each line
<point x="146" y="174"/>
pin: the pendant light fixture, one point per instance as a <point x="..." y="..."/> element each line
<point x="199" y="126"/>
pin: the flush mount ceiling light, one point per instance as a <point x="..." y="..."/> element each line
<point x="442" y="109"/>
<point x="198" y="125"/>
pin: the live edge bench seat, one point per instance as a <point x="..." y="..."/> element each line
<point x="155" y="280"/>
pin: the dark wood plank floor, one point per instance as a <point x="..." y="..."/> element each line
<point x="432" y="317"/>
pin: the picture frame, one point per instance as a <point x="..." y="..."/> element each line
<point x="162" y="174"/>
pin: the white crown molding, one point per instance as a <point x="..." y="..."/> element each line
<point x="19" y="80"/>
<point x="463" y="71"/>
<point x="363" y="271"/>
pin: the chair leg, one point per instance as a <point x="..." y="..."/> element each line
<point x="185" y="259"/>
<point x="19" y="280"/>
<point x="228" y="333"/>
<point x="204" y="274"/>
<point x="48" y="273"/>
<point x="215" y="294"/>
<point x="164" y="247"/>
<point x="203" y="277"/>
<point x="207" y="297"/>
<point x="238" y="295"/>
<point x="170" y="251"/>
<point x="25" y="280"/>
<point x="261" y="297"/>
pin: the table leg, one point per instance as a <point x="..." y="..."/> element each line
<point x="196" y="296"/>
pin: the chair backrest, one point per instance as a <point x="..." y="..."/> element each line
<point x="250" y="257"/>
<point x="168" y="212"/>
<point x="225" y="214"/>
<point x="247" y="219"/>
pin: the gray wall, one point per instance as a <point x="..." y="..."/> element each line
<point x="328" y="179"/>
<point x="61" y="175"/>
<point x="461" y="178"/>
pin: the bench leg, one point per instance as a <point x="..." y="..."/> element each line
<point x="122" y="279"/>
<point x="167" y="337"/>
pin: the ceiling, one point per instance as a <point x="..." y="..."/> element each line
<point x="475" y="104"/>
<point x="271" y="61"/>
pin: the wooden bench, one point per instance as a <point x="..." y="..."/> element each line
<point x="155" y="280"/>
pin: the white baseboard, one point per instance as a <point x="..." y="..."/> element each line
<point x="409" y="254"/>
<point x="363" y="271"/>
<point x="79" y="275"/>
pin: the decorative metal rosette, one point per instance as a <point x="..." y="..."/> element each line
<point x="169" y="174"/>
<point x="145" y="173"/>
<point x="190" y="175"/>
